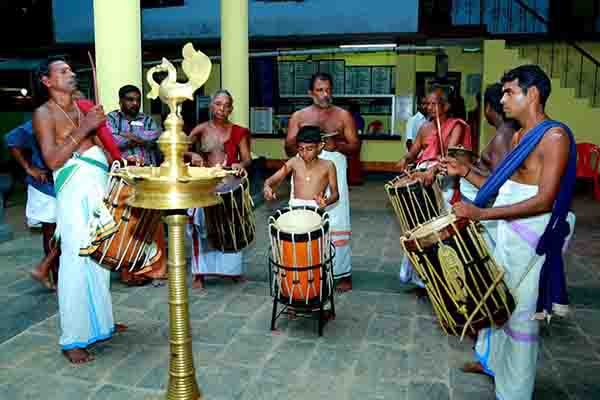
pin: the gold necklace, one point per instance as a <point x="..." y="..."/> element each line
<point x="67" y="115"/>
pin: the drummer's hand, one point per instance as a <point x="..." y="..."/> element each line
<point x="401" y="165"/>
<point x="268" y="193"/>
<point x="452" y="167"/>
<point x="429" y="176"/>
<point x="321" y="200"/>
<point x="238" y="168"/>
<point x="467" y="210"/>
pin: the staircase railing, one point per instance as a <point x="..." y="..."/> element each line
<point x="514" y="19"/>
<point x="575" y="66"/>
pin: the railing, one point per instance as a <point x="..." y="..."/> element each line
<point x="500" y="17"/>
<point x="563" y="59"/>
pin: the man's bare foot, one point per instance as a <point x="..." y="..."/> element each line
<point x="78" y="356"/>
<point x="44" y="280"/>
<point x="120" y="328"/>
<point x="197" y="282"/>
<point x="473" y="368"/>
<point x="344" y="285"/>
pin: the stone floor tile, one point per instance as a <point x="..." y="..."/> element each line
<point x="245" y="305"/>
<point x="428" y="390"/>
<point x="136" y="365"/>
<point x="388" y="330"/>
<point x="382" y="363"/>
<point x="219" y="329"/>
<point x="291" y="357"/>
<point x="111" y="392"/>
<point x="249" y="349"/>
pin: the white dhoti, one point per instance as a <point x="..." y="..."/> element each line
<point x="339" y="217"/>
<point x="84" y="300"/>
<point x="40" y="208"/>
<point x="510" y="352"/>
<point x="207" y="261"/>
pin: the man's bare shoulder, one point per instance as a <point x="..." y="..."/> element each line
<point x="300" y="114"/>
<point x="41" y="115"/>
<point x="42" y="111"/>
<point x="555" y="136"/>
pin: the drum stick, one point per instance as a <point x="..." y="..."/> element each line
<point x="439" y="129"/>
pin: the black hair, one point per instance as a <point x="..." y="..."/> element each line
<point x="309" y="134"/>
<point x="128" y="89"/>
<point x="320" y="76"/>
<point x="528" y="76"/>
<point x="43" y="69"/>
<point x="492" y="96"/>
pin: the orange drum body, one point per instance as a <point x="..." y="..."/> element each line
<point x="301" y="263"/>
<point x="135" y="246"/>
<point x="301" y="252"/>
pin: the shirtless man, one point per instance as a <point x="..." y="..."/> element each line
<point x="496" y="149"/>
<point x="312" y="176"/>
<point x="331" y="120"/>
<point x="221" y="143"/>
<point x="535" y="187"/>
<point x="79" y="165"/>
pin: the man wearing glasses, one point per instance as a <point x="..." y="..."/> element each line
<point x="134" y="132"/>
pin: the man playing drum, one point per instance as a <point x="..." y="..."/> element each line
<point x="534" y="186"/>
<point x="314" y="180"/>
<point x="80" y="175"/>
<point x="426" y="151"/>
<point x="226" y="144"/>
<point x="331" y="119"/>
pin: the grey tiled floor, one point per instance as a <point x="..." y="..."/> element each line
<point x="384" y="343"/>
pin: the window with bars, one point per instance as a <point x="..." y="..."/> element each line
<point x="162" y="3"/>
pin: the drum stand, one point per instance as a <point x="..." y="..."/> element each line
<point x="174" y="187"/>
<point x="298" y="308"/>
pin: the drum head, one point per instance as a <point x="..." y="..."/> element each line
<point x="299" y="221"/>
<point x="404" y="181"/>
<point x="436" y="225"/>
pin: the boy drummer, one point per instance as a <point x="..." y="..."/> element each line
<point x="314" y="180"/>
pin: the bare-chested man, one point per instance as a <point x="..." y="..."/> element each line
<point x="312" y="177"/>
<point x="496" y="149"/>
<point x="227" y="144"/>
<point x="331" y="120"/>
<point x="534" y="186"/>
<point x="79" y="165"/>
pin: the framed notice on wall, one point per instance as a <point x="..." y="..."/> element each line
<point x="285" y="73"/>
<point x="381" y="80"/>
<point x="358" y="80"/>
<point x="335" y="68"/>
<point x="303" y="71"/>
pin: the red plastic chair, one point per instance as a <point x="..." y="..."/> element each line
<point x="588" y="160"/>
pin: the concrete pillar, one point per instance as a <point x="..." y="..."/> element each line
<point x="118" y="41"/>
<point x="234" y="57"/>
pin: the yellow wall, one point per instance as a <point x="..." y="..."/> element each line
<point x="405" y="83"/>
<point x="562" y="104"/>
